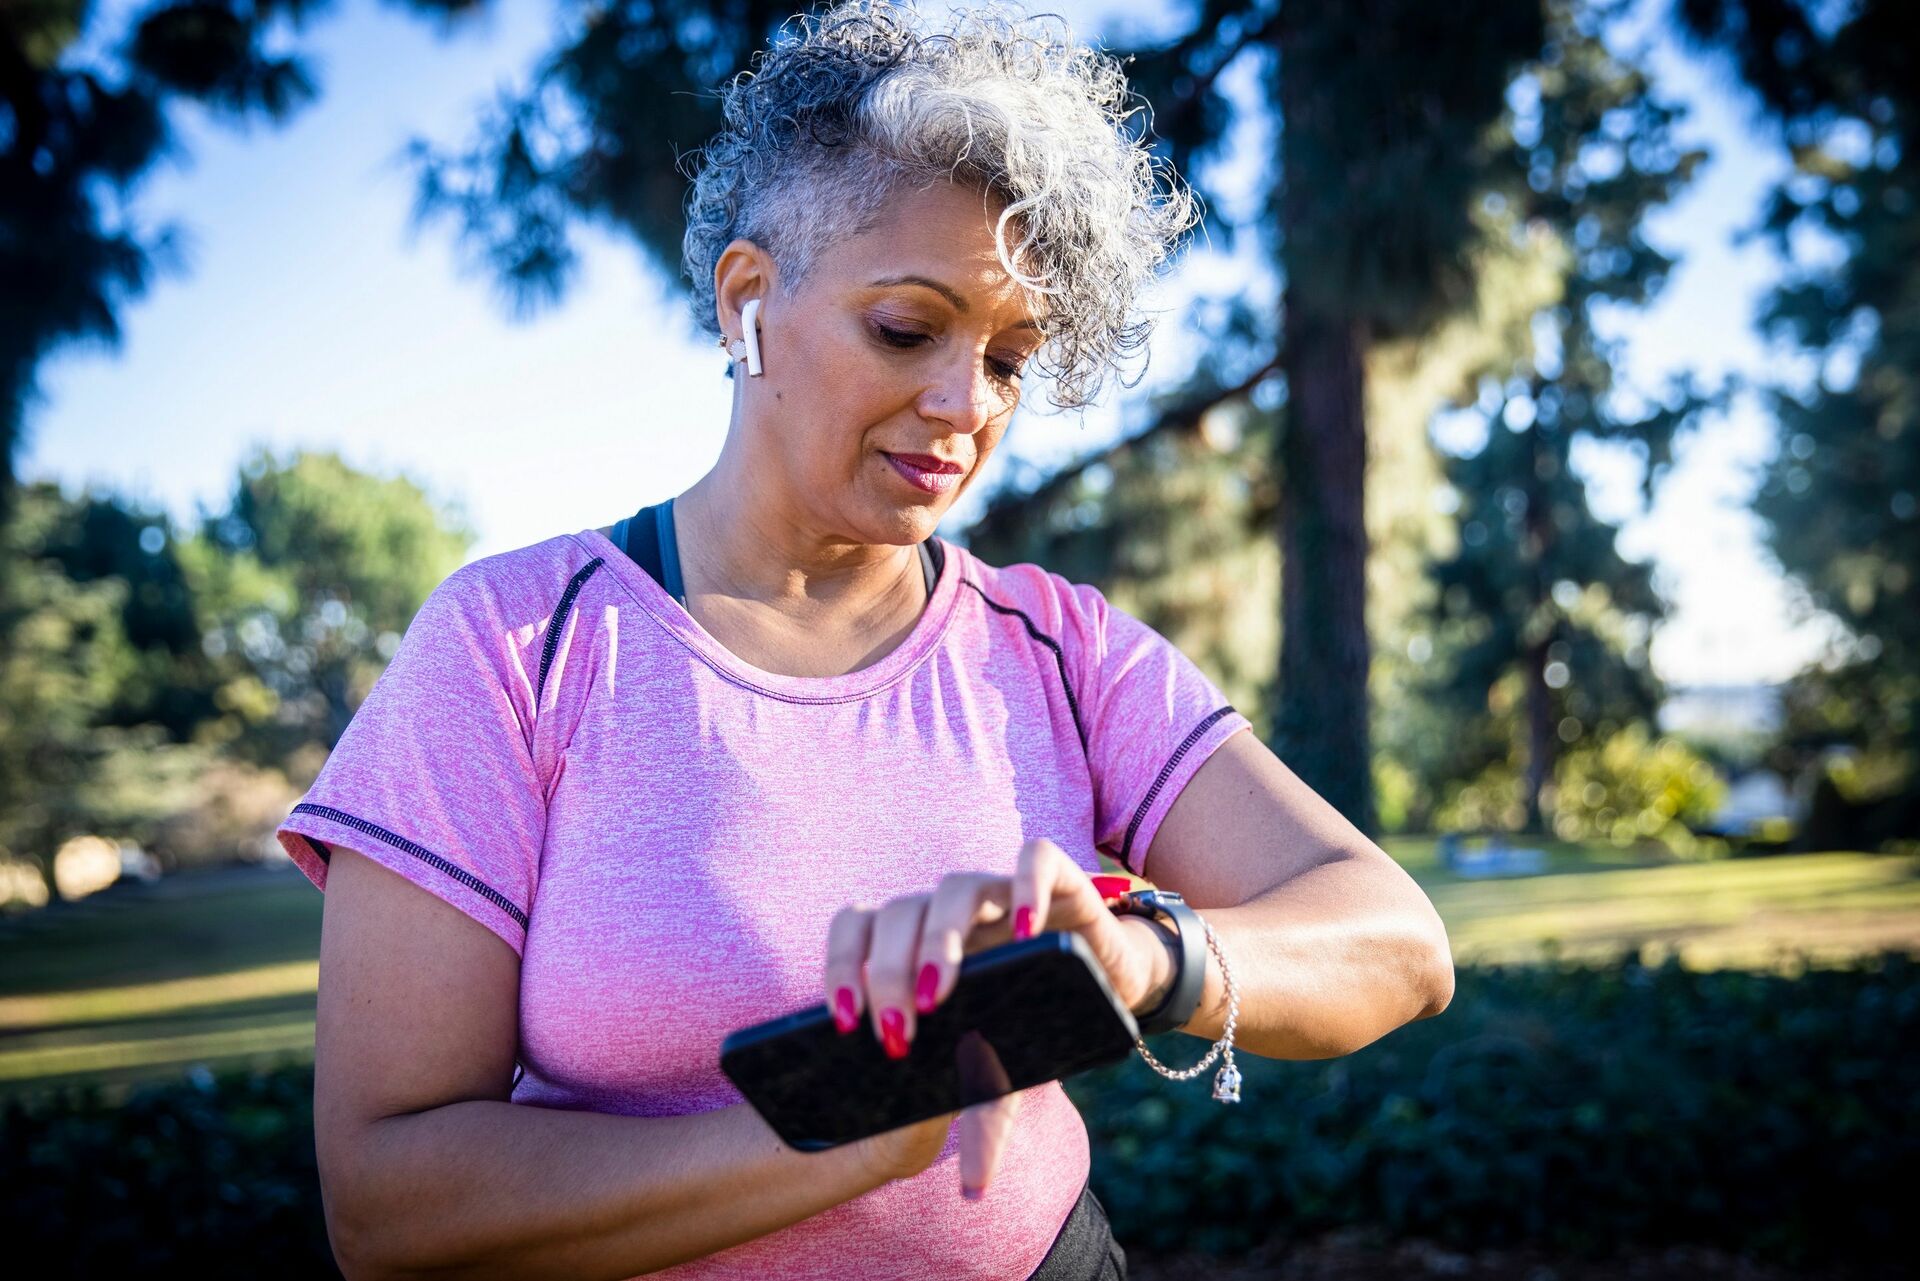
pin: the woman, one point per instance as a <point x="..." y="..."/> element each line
<point x="807" y="751"/>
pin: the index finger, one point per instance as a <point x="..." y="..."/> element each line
<point x="958" y="903"/>
<point x="1051" y="891"/>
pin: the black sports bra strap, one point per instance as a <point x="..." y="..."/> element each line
<point x="669" y="552"/>
<point x="642" y="543"/>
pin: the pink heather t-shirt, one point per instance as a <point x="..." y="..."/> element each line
<point x="560" y="751"/>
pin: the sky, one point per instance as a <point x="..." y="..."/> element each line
<point x="308" y="313"/>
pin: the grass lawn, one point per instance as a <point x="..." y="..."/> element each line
<point x="144" y="981"/>
<point x="220" y="968"/>
<point x="1770" y="912"/>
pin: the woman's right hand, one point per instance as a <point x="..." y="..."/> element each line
<point x="901" y="958"/>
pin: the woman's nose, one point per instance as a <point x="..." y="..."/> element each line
<point x="964" y="395"/>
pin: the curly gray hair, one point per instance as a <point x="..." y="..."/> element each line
<point x="862" y="101"/>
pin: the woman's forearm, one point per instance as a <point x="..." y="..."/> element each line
<point x="1328" y="961"/>
<point x="486" y="1188"/>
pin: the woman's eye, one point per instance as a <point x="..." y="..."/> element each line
<point x="1004" y="370"/>
<point x="898" y="337"/>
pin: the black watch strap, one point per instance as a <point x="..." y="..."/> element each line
<point x="1190" y="977"/>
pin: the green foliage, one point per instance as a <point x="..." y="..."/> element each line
<point x="1183" y="503"/>
<point x="63" y="653"/>
<point x="1538" y="617"/>
<point x="307" y="581"/>
<point x="1416" y="736"/>
<point x="160" y="689"/>
<point x="1630" y="789"/>
<point x="1375" y="211"/>
<point x="1580" y="1109"/>
<point x="1625" y="789"/>
<point x="167" y="679"/>
<point x="1864" y="801"/>
<point x="112" y="703"/>
<point x="186" y="804"/>
<point x="1492" y="800"/>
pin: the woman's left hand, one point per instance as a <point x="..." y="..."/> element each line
<point x="910" y="949"/>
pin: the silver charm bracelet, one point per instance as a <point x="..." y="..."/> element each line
<point x="1226" y="1082"/>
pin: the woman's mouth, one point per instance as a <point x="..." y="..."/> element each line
<point x="929" y="482"/>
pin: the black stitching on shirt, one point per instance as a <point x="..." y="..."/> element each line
<point x="1126" y="847"/>
<point x="559" y="622"/>
<point x="426" y="856"/>
<point x="1059" y="658"/>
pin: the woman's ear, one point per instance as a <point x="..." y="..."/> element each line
<point x="744" y="271"/>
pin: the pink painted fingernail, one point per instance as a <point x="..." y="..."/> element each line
<point x="927" y="988"/>
<point x="972" y="1194"/>
<point x="844" y="1017"/>
<point x="1023" y="922"/>
<point x="893" y="1033"/>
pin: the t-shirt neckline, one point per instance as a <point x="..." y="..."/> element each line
<point x="682" y="626"/>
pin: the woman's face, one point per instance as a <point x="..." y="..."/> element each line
<point x="910" y="339"/>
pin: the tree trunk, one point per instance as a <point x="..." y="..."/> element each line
<point x="1540" y="732"/>
<point x="1321" y="727"/>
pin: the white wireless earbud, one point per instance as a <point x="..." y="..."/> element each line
<point x="749" y="321"/>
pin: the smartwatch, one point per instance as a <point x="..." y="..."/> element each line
<point x="1190" y="975"/>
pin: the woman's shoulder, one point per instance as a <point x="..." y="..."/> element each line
<point x="509" y="619"/>
<point x="523" y="583"/>
<point x="1047" y="598"/>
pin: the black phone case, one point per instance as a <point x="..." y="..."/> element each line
<point x="1020" y="1014"/>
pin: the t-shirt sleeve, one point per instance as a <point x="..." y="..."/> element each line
<point x="1151" y="718"/>
<point x="434" y="777"/>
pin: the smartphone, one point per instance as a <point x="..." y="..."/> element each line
<point x="1020" y="1014"/>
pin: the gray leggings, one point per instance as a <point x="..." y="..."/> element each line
<point x="1085" y="1249"/>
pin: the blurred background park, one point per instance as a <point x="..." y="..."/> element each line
<point x="1530" y="447"/>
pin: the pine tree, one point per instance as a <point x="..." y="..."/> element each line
<point x="1841" y="499"/>
<point x="1538" y="607"/>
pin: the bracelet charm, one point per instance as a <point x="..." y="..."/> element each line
<point x="1226" y="1084"/>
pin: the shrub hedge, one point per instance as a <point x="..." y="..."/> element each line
<point x="212" y="1177"/>
<point x="1582" y="1108"/>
